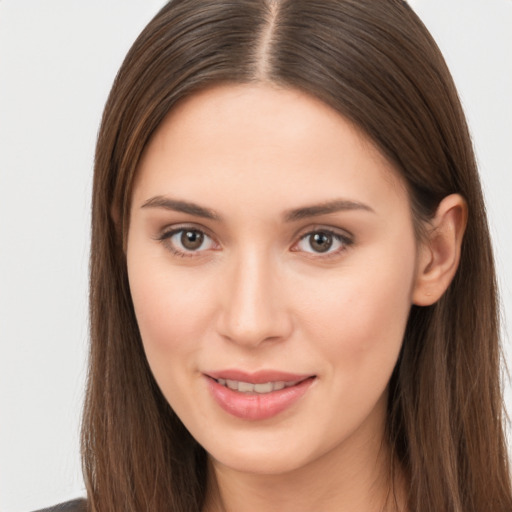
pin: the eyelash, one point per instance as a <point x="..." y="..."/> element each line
<point x="166" y="237"/>
<point x="345" y="240"/>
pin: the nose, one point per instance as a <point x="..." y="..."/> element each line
<point x="253" y="305"/>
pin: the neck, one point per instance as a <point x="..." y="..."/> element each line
<point x="354" y="476"/>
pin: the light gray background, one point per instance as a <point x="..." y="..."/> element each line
<point x="57" y="61"/>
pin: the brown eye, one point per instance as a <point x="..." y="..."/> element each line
<point x="191" y="239"/>
<point x="187" y="241"/>
<point x="323" y="242"/>
<point x="320" y="242"/>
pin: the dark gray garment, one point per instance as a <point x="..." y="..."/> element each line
<point x="79" y="505"/>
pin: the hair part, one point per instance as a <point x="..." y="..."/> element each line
<point x="264" y="45"/>
<point x="375" y="63"/>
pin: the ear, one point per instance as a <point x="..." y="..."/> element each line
<point x="439" y="252"/>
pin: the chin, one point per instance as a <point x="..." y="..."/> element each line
<point x="268" y="452"/>
<point x="261" y="462"/>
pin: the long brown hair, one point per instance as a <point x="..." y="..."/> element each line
<point x="377" y="65"/>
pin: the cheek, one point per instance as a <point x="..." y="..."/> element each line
<point x="171" y="314"/>
<point x="360" y="321"/>
<point x="171" y="309"/>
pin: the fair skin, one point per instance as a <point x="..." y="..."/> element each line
<point x="270" y="241"/>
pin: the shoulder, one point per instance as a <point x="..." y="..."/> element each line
<point x="79" y="505"/>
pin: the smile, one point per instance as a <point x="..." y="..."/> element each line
<point x="257" y="396"/>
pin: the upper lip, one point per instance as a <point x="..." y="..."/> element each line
<point x="259" y="377"/>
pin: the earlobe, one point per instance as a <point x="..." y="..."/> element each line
<point x="439" y="253"/>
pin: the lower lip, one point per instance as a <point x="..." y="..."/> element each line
<point x="256" y="406"/>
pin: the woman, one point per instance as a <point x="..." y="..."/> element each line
<point x="293" y="303"/>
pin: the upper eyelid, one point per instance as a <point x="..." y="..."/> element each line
<point x="343" y="238"/>
<point x="298" y="234"/>
<point x="325" y="229"/>
<point x="176" y="228"/>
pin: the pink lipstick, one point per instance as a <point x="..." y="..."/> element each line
<point x="257" y="396"/>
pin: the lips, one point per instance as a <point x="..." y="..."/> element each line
<point x="257" y="396"/>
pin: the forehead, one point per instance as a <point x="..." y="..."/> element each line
<point x="251" y="142"/>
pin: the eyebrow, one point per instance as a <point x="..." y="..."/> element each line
<point x="293" y="215"/>
<point x="181" y="206"/>
<point x="337" y="205"/>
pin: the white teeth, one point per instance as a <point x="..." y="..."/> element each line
<point x="232" y="384"/>
<point x="249" y="387"/>
<point x="267" y="387"/>
<point x="245" y="387"/>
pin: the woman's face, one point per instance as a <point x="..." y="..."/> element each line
<point x="272" y="260"/>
